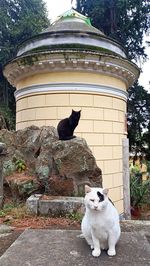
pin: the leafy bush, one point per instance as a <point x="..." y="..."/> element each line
<point x="139" y="191"/>
<point x="148" y="166"/>
<point x="8" y="116"/>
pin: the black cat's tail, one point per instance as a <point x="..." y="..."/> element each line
<point x="67" y="138"/>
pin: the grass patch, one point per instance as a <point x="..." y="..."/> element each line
<point x="75" y="216"/>
<point x="14" y="211"/>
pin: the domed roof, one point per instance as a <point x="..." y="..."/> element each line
<point x="74" y="22"/>
<point x="71" y="43"/>
<point x="71" y="30"/>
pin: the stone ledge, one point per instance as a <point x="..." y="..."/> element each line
<point x="32" y="203"/>
<point x="25" y="66"/>
<point x="135" y="225"/>
<point x="55" y="205"/>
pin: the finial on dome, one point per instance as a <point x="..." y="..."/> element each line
<point x="73" y="14"/>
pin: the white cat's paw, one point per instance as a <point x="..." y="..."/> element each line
<point x="92" y="247"/>
<point x="81" y="236"/>
<point x="111" y="252"/>
<point x="96" y="252"/>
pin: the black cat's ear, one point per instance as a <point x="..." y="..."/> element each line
<point x="80" y="111"/>
<point x="87" y="189"/>
<point x="105" y="191"/>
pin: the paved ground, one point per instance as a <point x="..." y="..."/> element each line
<point x="63" y="247"/>
<point x="6" y="239"/>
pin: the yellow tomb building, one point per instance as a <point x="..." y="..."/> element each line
<point x="72" y="65"/>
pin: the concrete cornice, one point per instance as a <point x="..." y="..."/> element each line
<point x="63" y="60"/>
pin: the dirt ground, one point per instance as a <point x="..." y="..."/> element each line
<point x="7" y="239"/>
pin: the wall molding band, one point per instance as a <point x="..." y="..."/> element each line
<point x="70" y="87"/>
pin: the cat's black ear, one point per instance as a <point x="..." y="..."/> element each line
<point x="87" y="189"/>
<point x="105" y="191"/>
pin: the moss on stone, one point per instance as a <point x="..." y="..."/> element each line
<point x="74" y="46"/>
<point x="8" y="168"/>
<point x="28" y="60"/>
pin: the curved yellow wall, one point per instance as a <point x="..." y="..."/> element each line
<point x="81" y="77"/>
<point x="101" y="124"/>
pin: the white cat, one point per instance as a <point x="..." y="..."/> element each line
<point x="100" y="225"/>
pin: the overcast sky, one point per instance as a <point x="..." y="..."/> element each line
<point x="57" y="7"/>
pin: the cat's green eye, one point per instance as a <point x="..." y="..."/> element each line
<point x="92" y="200"/>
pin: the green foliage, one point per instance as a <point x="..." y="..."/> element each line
<point x="6" y="209"/>
<point x="148" y="166"/>
<point x="2" y="213"/>
<point x="135" y="171"/>
<point x="15" y="210"/>
<point x="139" y="191"/>
<point x="27" y="188"/>
<point x="75" y="216"/>
<point x="19" y="20"/>
<point x="11" y="166"/>
<point x="8" y="116"/>
<point x="124" y="20"/>
<point x="138" y="116"/>
<point x="20" y="165"/>
<point x="146" y="140"/>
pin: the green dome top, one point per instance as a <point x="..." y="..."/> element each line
<point x="74" y="14"/>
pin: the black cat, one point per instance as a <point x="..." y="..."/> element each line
<point x="67" y="126"/>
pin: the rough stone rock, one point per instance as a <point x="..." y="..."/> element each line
<point x="8" y="137"/>
<point x="22" y="185"/>
<point x="3" y="152"/>
<point x="73" y="159"/>
<point x="60" y="167"/>
<point x="61" y="185"/>
<point x="3" y="148"/>
<point x="8" y="167"/>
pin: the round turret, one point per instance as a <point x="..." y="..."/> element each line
<point x="72" y="65"/>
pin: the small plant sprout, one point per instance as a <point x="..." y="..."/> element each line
<point x="20" y="165"/>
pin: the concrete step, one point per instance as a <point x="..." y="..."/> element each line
<point x="47" y="247"/>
